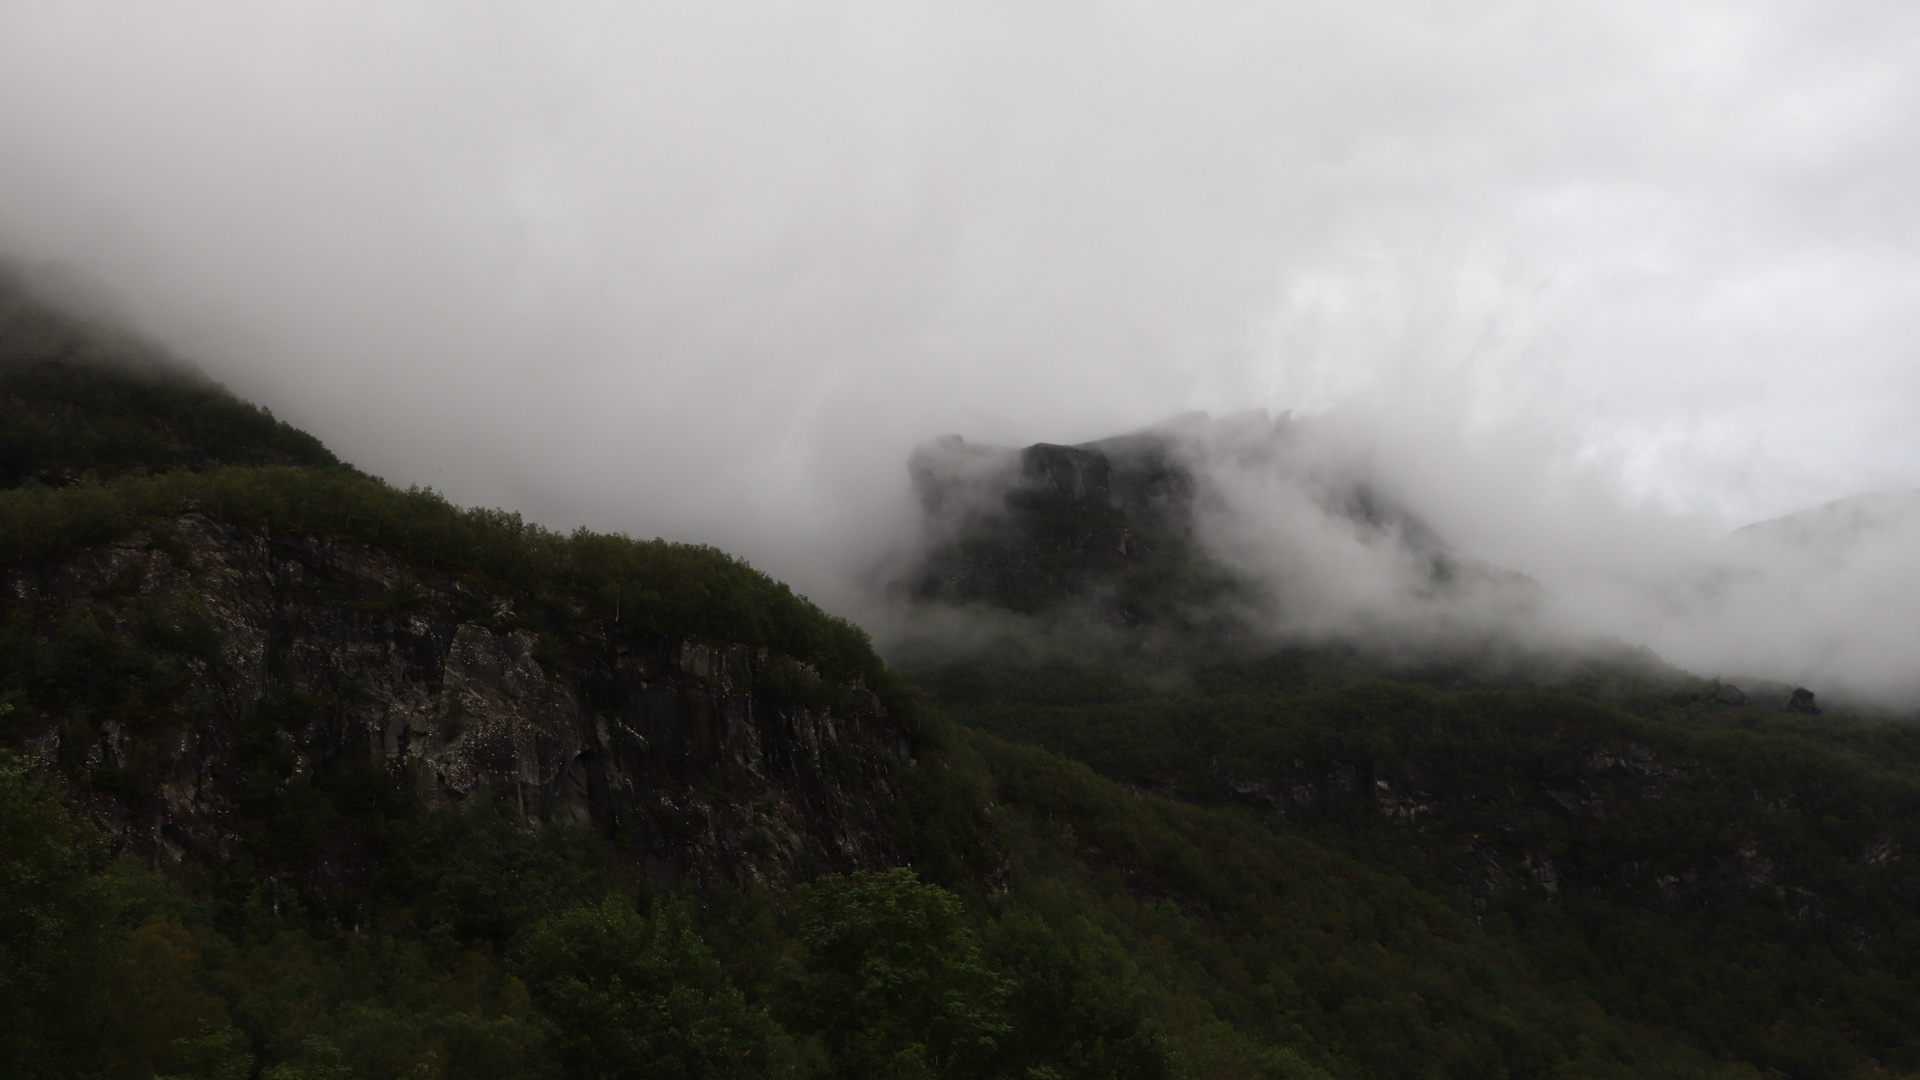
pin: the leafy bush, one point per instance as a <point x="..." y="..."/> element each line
<point x="895" y="982"/>
<point x="57" y="921"/>
<point x="625" y="996"/>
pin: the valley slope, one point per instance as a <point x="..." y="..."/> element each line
<point x="308" y="776"/>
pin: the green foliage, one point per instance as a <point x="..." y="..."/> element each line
<point x="62" y="419"/>
<point x="95" y="982"/>
<point x="75" y="399"/>
<point x="213" y="1055"/>
<point x="374" y="1005"/>
<point x="1066" y="1018"/>
<point x="112" y="973"/>
<point x="318" y="1059"/>
<point x="92" y="663"/>
<point x="677" y="588"/>
<point x="1711" y="877"/>
<point x="468" y="871"/>
<point x="896" y="979"/>
<point x="57" y="913"/>
<point x="626" y="996"/>
<point x="1481" y="879"/>
<point x="941" y="819"/>
<point x="893" y="983"/>
<point x="1308" y="959"/>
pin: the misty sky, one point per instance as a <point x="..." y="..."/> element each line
<point x="710" y="270"/>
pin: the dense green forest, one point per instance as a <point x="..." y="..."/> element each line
<point x="1289" y="862"/>
<point x="1723" y="874"/>
<point x="503" y="953"/>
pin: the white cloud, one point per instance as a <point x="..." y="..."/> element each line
<point x="711" y="270"/>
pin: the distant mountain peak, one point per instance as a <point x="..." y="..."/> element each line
<point x="1190" y="519"/>
<point x="1840" y="522"/>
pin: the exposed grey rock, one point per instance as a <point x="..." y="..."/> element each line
<point x="1040" y="524"/>
<point x="1080" y="475"/>
<point x="671" y="746"/>
<point x="1052" y="527"/>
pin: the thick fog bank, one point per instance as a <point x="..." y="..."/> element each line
<point x="1396" y="532"/>
<point x="710" y="271"/>
<point x="1393" y="525"/>
<point x="1630" y="273"/>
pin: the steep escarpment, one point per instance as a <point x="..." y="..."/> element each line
<point x="202" y="685"/>
<point x="1031" y="529"/>
<point x="404" y="789"/>
<point x="1197" y="538"/>
<point x="242" y="656"/>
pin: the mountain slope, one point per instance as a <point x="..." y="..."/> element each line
<point x="80" y="398"/>
<point x="1731" y="874"/>
<point x="1831" y="527"/>
<point x="312" y="777"/>
<point x="250" y="685"/>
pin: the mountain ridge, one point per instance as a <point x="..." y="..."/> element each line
<point x="1840" y="520"/>
<point x="405" y="789"/>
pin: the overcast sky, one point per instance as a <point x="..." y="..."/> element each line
<point x="709" y="270"/>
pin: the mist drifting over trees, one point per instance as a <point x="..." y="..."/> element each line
<point x="1589" y="288"/>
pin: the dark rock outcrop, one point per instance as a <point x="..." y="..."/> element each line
<point x="1119" y="526"/>
<point x="1080" y="475"/>
<point x="335" y="659"/>
<point x="1030" y="528"/>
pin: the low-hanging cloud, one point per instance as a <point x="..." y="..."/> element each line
<point x="710" y="271"/>
<point x="1496" y="543"/>
<point x="1412" y="536"/>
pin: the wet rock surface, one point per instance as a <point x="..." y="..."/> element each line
<point x="340" y="660"/>
<point x="1030" y="527"/>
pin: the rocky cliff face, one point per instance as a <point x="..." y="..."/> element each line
<point x="1029" y="528"/>
<point x="1152" y="525"/>
<point x="225" y="667"/>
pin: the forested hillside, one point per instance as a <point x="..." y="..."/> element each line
<point x="1720" y="865"/>
<point x="306" y="776"/>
